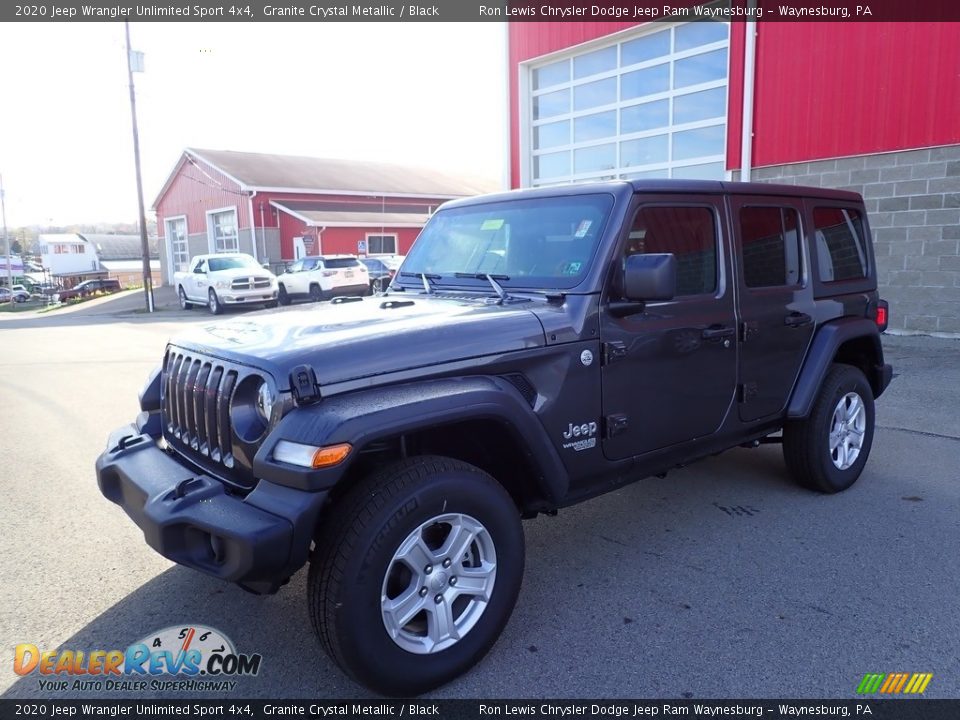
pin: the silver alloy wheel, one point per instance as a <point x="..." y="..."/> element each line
<point x="378" y="285"/>
<point x="183" y="299"/>
<point x="847" y="430"/>
<point x="438" y="583"/>
<point x="212" y="301"/>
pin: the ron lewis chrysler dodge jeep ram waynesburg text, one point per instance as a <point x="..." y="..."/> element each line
<point x="534" y="349"/>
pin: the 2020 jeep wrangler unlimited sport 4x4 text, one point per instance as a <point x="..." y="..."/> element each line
<point x="535" y="349"/>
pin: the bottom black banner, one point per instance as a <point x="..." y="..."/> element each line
<point x="912" y="709"/>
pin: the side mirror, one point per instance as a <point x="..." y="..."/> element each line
<point x="650" y="277"/>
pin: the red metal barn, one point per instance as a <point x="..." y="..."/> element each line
<point x="867" y="106"/>
<point x="279" y="208"/>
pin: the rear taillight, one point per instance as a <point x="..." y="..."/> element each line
<point x="882" y="314"/>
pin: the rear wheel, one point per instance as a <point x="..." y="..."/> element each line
<point x="415" y="574"/>
<point x="378" y="285"/>
<point x="184" y="303"/>
<point x="827" y="450"/>
<point x="316" y="294"/>
<point x="282" y="297"/>
<point x="213" y="302"/>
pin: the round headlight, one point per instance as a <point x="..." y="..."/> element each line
<point x="251" y="408"/>
<point x="264" y="402"/>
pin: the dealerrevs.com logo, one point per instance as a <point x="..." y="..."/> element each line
<point x="186" y="658"/>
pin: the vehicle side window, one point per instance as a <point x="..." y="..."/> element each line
<point x="200" y="266"/>
<point x="312" y="264"/>
<point x="296" y="267"/>
<point x="769" y="246"/>
<point x="840" y="245"/>
<point x="687" y="232"/>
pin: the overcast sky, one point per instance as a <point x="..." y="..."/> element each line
<point x="419" y="93"/>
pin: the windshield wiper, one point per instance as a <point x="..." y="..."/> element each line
<point x="492" y="279"/>
<point x="425" y="278"/>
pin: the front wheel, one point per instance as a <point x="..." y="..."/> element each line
<point x="184" y="303"/>
<point x="827" y="450"/>
<point x="213" y="302"/>
<point x="378" y="285"/>
<point x="415" y="574"/>
<point x="282" y="296"/>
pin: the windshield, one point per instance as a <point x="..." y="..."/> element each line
<point x="230" y="263"/>
<point x="536" y="242"/>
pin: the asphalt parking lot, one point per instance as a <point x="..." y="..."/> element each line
<point x="720" y="580"/>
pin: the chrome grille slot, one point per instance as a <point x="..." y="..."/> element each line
<point x="200" y="408"/>
<point x="212" y="448"/>
<point x="190" y="427"/>
<point x="223" y="413"/>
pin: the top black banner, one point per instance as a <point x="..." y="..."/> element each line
<point x="482" y="10"/>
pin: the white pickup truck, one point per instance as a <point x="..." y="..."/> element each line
<point x="225" y="279"/>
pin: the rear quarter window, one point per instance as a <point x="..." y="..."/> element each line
<point x="840" y="241"/>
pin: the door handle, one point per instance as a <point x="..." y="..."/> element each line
<point x="796" y="319"/>
<point x="717" y="332"/>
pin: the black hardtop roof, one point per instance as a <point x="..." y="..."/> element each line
<point x="673" y="187"/>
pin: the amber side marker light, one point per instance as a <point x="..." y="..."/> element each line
<point x="311" y="456"/>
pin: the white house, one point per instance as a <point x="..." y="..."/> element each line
<point x="67" y="254"/>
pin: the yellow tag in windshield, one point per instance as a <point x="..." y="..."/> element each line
<point x="492" y="224"/>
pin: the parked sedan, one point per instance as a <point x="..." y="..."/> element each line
<point x="18" y="295"/>
<point x="87" y="288"/>
<point x="382" y="268"/>
<point x="322" y="277"/>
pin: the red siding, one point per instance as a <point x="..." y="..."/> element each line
<point x="822" y="89"/>
<point x="339" y="240"/>
<point x="193" y="193"/>
<point x="828" y="89"/>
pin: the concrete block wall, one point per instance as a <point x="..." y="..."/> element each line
<point x="913" y="204"/>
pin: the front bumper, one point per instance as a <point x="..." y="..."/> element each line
<point x="247" y="297"/>
<point x="257" y="541"/>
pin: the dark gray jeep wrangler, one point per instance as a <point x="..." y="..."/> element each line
<point x="536" y="348"/>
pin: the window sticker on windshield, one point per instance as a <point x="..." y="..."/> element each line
<point x="571" y="268"/>
<point x="583" y="228"/>
<point x="492" y="224"/>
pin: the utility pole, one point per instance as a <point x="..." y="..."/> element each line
<point x="6" y="235"/>
<point x="144" y="245"/>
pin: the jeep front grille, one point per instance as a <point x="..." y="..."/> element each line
<point x="250" y="283"/>
<point x="197" y="406"/>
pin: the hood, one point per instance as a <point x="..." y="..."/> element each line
<point x="376" y="335"/>
<point x="243" y="272"/>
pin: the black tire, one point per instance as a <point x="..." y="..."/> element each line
<point x="357" y="546"/>
<point x="213" y="303"/>
<point x="184" y="303"/>
<point x="378" y="285"/>
<point x="807" y="442"/>
<point x="316" y="294"/>
<point x="282" y="297"/>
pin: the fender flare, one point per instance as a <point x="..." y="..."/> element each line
<point x="365" y="416"/>
<point x="823" y="349"/>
